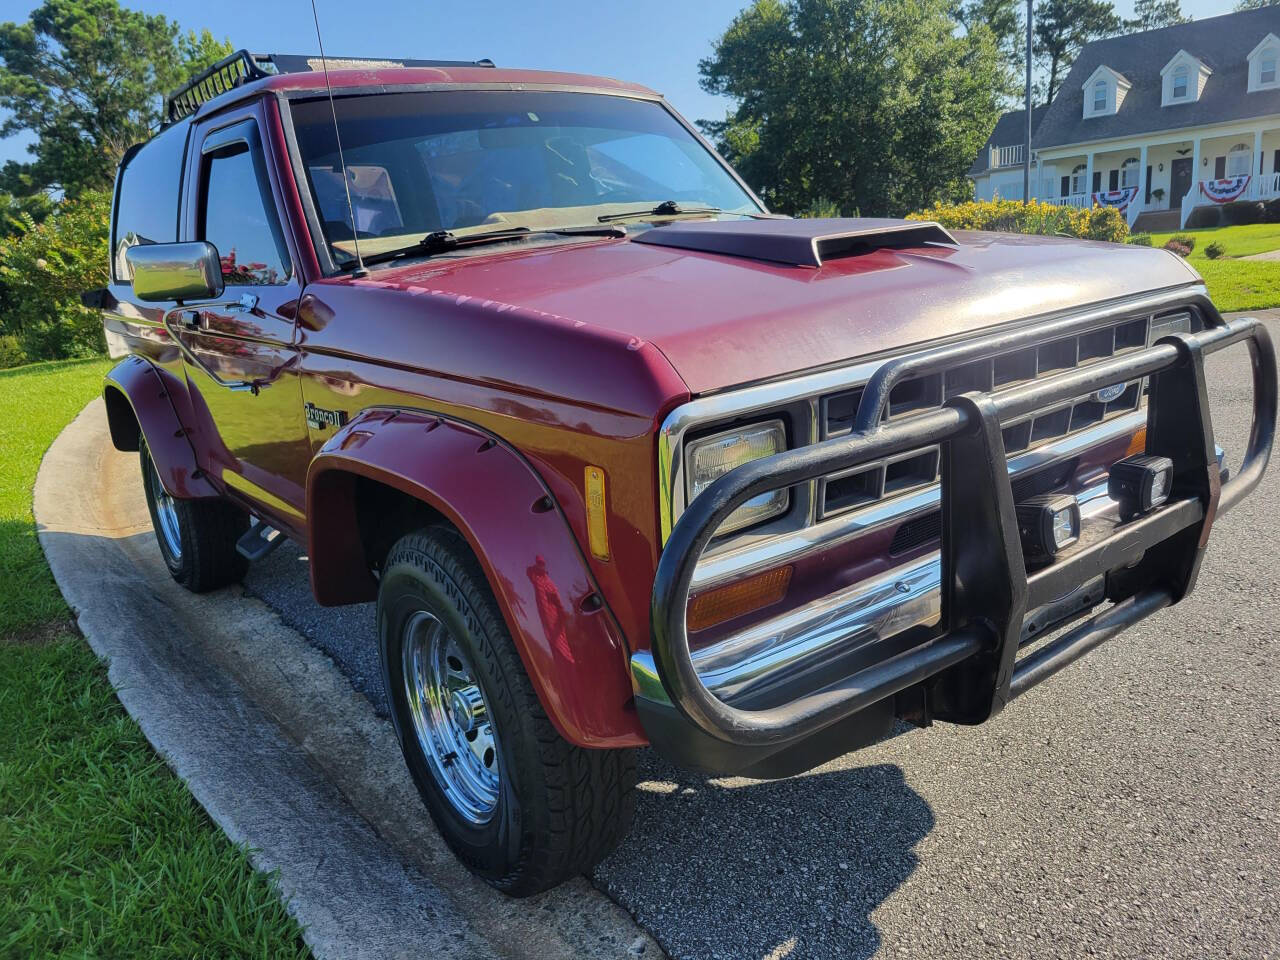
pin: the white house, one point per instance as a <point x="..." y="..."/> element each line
<point x="1156" y="123"/>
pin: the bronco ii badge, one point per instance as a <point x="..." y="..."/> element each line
<point x="1107" y="394"/>
<point x="319" y="417"/>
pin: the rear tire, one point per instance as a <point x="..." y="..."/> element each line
<point x="197" y="537"/>
<point x="543" y="810"/>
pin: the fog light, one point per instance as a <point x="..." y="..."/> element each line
<point x="1140" y="484"/>
<point x="1048" y="524"/>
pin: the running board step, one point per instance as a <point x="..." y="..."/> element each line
<point x="259" y="540"/>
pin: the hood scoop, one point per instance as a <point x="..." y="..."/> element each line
<point x="799" y="242"/>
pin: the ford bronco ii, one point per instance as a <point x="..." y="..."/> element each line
<point x="623" y="458"/>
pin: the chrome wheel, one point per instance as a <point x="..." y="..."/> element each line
<point x="166" y="516"/>
<point x="450" y="717"/>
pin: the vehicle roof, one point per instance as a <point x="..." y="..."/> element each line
<point x="463" y="77"/>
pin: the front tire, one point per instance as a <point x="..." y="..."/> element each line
<point x="518" y="804"/>
<point x="197" y="537"/>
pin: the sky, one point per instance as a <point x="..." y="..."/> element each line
<point x="654" y="42"/>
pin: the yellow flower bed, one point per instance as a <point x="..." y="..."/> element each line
<point x="1014" y="216"/>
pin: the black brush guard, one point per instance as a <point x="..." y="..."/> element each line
<point x="969" y="660"/>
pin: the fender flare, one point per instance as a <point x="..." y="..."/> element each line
<point x="138" y="398"/>
<point x="570" y="643"/>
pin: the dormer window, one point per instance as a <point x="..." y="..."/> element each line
<point x="1180" y="81"/>
<point x="1104" y="92"/>
<point x="1183" y="79"/>
<point x="1262" y="64"/>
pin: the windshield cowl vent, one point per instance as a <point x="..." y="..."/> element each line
<point x="800" y="242"/>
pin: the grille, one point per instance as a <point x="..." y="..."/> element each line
<point x="872" y="482"/>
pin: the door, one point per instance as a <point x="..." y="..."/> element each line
<point x="1179" y="181"/>
<point x="250" y="430"/>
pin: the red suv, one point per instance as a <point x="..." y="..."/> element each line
<point x="623" y="458"/>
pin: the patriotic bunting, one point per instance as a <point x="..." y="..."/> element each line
<point x="1226" y="189"/>
<point x="1120" y="199"/>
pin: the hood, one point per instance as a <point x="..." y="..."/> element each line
<point x="727" y="318"/>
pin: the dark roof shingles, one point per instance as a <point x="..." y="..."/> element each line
<point x="1222" y="43"/>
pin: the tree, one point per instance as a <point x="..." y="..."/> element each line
<point x="1255" y="4"/>
<point x="1154" y="14"/>
<point x="1004" y="19"/>
<point x="873" y="107"/>
<point x="1062" y="27"/>
<point x="88" y="78"/>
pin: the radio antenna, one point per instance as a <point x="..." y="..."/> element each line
<point x="360" y="270"/>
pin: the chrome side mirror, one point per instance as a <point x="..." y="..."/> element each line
<point x="175" y="271"/>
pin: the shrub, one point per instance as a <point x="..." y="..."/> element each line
<point x="1242" y="212"/>
<point x="1185" y="239"/>
<point x="1140" y="239"/>
<point x="821" y="207"/>
<point x="1205" y="217"/>
<point x="1181" y="249"/>
<point x="11" y="352"/>
<point x="1214" y="250"/>
<point x="1014" y="216"/>
<point x="43" y="270"/>
<point x="1271" y="211"/>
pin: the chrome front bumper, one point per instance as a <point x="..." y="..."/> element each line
<point x="748" y="665"/>
<point x="940" y="637"/>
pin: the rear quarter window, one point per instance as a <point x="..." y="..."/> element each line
<point x="148" y="195"/>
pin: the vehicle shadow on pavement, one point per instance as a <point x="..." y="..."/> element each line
<point x="717" y="867"/>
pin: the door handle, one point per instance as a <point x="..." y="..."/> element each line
<point x="191" y="319"/>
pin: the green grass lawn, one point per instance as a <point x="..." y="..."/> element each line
<point x="1236" y="284"/>
<point x="103" y="852"/>
<point x="1242" y="241"/>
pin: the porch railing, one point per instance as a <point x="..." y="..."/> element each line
<point x="1007" y="156"/>
<point x="1080" y="200"/>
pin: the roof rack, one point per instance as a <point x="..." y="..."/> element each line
<point x="242" y="66"/>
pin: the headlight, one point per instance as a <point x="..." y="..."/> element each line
<point x="710" y="458"/>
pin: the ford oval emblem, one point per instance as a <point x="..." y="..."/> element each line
<point x="1107" y="394"/>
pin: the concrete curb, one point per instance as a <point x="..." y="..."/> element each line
<point x="275" y="744"/>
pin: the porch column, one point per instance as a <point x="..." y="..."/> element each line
<point x="1255" y="182"/>
<point x="1195" y="165"/>
<point x="1088" y="180"/>
<point x="1140" y="201"/>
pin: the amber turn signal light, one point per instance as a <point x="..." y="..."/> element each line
<point x="1138" y="444"/>
<point x="734" y="599"/>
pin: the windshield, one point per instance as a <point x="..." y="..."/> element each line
<point x="466" y="161"/>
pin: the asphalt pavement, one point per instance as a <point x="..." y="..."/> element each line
<point x="1129" y="806"/>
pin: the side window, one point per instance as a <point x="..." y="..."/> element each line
<point x="148" y="195"/>
<point x="238" y="217"/>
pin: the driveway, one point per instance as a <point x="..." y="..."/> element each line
<point x="1129" y="806"/>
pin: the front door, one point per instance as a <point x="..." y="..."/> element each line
<point x="1179" y="181"/>
<point x="246" y="394"/>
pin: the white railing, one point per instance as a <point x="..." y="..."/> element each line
<point x="1268" y="186"/>
<point x="1081" y="200"/>
<point x="1007" y="156"/>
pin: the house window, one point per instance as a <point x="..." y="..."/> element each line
<point x="1238" y="160"/>
<point x="1129" y="173"/>
<point x="1100" y="96"/>
<point x="1077" y="178"/>
<point x="1267" y="69"/>
<point x="1180" y="80"/>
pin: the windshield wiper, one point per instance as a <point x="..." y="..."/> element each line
<point x="668" y="208"/>
<point x="442" y="241"/>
